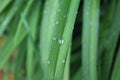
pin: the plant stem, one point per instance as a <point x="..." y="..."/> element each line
<point x="90" y="39"/>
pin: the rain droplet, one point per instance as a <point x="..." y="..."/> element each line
<point x="76" y="13"/>
<point x="63" y="61"/>
<point x="54" y="39"/>
<point x="57" y="22"/>
<point x="61" y="41"/>
<point x="72" y="27"/>
<point x="65" y="15"/>
<point x="48" y="62"/>
<point x="59" y="10"/>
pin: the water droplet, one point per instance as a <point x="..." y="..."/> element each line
<point x="61" y="41"/>
<point x="65" y="15"/>
<point x="57" y="22"/>
<point x="72" y="27"/>
<point x="54" y="39"/>
<point x="63" y="61"/>
<point x="59" y="10"/>
<point x="48" y="62"/>
<point x="76" y="13"/>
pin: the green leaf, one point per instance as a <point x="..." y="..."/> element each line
<point x="8" y="18"/>
<point x="116" y="70"/>
<point x="90" y="39"/>
<point x="3" y="4"/>
<point x="56" y="35"/>
<point x="111" y="42"/>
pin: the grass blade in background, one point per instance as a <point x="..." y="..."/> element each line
<point x="12" y="43"/>
<point x="30" y="46"/>
<point x="111" y="44"/>
<point x="104" y="32"/>
<point x="19" y="60"/>
<point x="116" y="70"/>
<point x="67" y="66"/>
<point x="3" y="4"/>
<point x="90" y="39"/>
<point x="24" y="29"/>
<point x="8" y="18"/>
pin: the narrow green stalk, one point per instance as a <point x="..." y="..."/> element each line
<point x="30" y="47"/>
<point x="90" y="39"/>
<point x="8" y="18"/>
<point x="67" y="35"/>
<point x="49" y="14"/>
<point x="3" y="4"/>
<point x="116" y="70"/>
<point x="78" y="75"/>
<point x="56" y="35"/>
<point x="6" y="72"/>
<point x="13" y="42"/>
<point x="111" y="43"/>
<point x="67" y="66"/>
<point x="20" y="24"/>
<point x="20" y="57"/>
<point x="104" y="33"/>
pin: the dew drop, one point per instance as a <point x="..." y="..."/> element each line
<point x="61" y="41"/>
<point x="57" y="22"/>
<point x="63" y="61"/>
<point x="72" y="27"/>
<point x="59" y="10"/>
<point x="48" y="62"/>
<point x="76" y="13"/>
<point x="54" y="39"/>
<point x="65" y="15"/>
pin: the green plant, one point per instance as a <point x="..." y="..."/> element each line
<point x="60" y="39"/>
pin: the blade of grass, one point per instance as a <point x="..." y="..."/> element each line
<point x="111" y="43"/>
<point x="30" y="48"/>
<point x="78" y="75"/>
<point x="19" y="60"/>
<point x="104" y="32"/>
<point x="116" y="70"/>
<point x="67" y="66"/>
<point x="16" y="6"/>
<point x="14" y="42"/>
<point x="67" y="35"/>
<point x="90" y="39"/>
<point x="3" y="4"/>
<point x="105" y="26"/>
<point x="50" y="11"/>
<point x="55" y="36"/>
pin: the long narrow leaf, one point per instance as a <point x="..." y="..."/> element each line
<point x="90" y="39"/>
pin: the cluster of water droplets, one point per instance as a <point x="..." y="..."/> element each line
<point x="61" y="41"/>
